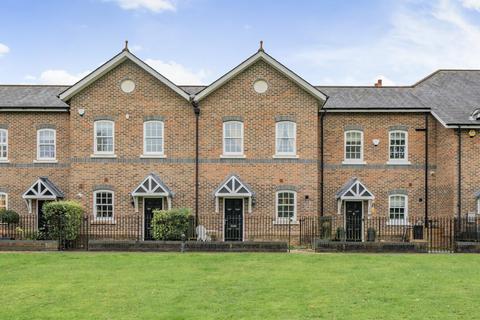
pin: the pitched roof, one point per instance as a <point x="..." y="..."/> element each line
<point x="152" y="184"/>
<point x="112" y="63"/>
<point x="260" y="55"/>
<point x="31" y="97"/>
<point x="43" y="188"/>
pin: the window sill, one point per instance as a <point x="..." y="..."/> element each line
<point x="45" y="161"/>
<point x="399" y="163"/>
<point x="152" y="156"/>
<point x="356" y="163"/>
<point x="111" y="156"/>
<point x="4" y="161"/>
<point x="104" y="222"/>
<point x="286" y="156"/>
<point x="285" y="222"/>
<point x="233" y="156"/>
<point x="397" y="223"/>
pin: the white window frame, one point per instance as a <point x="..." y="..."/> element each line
<point x="4" y="159"/>
<point x="282" y="220"/>
<point x="286" y="154"/>
<point x="54" y="145"/>
<point x="233" y="154"/>
<point x="153" y="154"/>
<point x="6" y="199"/>
<point x="103" y="153"/>
<point x="478" y="205"/>
<point x="403" y="221"/>
<point x="398" y="161"/>
<point x="362" y="145"/>
<point x="95" y="205"/>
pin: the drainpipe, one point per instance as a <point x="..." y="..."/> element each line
<point x="196" y="110"/>
<point x="426" y="168"/>
<point x="459" y="173"/>
<point x="322" y="158"/>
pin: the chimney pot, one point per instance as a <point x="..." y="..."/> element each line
<point x="378" y="84"/>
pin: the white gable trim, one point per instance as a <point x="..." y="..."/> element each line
<point x="112" y="63"/>
<point x="261" y="55"/>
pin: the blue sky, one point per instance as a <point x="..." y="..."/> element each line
<point x="328" y="42"/>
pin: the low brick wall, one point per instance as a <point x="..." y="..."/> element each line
<point x="28" y="245"/>
<point x="190" y="246"/>
<point x="379" y="247"/>
<point x="467" y="247"/>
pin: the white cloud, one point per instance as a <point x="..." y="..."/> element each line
<point x="424" y="36"/>
<point x="178" y="73"/>
<point x="59" y="77"/>
<point x="471" y="4"/>
<point x="4" y="49"/>
<point x="151" y="5"/>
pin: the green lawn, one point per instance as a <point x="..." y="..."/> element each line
<point x="238" y="286"/>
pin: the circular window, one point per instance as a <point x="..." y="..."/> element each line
<point x="127" y="86"/>
<point x="260" y="86"/>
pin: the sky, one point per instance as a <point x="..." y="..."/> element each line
<point x="327" y="42"/>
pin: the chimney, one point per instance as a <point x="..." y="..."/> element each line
<point x="378" y="84"/>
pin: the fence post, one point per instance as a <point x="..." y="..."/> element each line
<point x="289" y="231"/>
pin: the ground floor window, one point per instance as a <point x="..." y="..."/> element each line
<point x="398" y="208"/>
<point x="3" y="201"/>
<point x="286" y="205"/>
<point x="103" y="204"/>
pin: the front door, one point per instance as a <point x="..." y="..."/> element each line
<point x="353" y="220"/>
<point x="41" y="222"/>
<point x="150" y="204"/>
<point x="233" y="220"/>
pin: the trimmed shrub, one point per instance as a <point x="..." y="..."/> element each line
<point x="9" y="216"/>
<point x="170" y="224"/>
<point x="341" y="235"/>
<point x="63" y="219"/>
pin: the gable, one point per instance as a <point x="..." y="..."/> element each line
<point x="120" y="58"/>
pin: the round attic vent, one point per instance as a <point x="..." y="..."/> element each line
<point x="127" y="86"/>
<point x="260" y="86"/>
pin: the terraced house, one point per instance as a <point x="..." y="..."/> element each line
<point x="258" y="142"/>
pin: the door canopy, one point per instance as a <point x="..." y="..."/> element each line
<point x="354" y="190"/>
<point x="233" y="187"/>
<point x="152" y="186"/>
<point x="42" y="189"/>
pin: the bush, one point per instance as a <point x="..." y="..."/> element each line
<point x="9" y="216"/>
<point x="63" y="219"/>
<point x="325" y="228"/>
<point x="170" y="224"/>
<point x="341" y="235"/>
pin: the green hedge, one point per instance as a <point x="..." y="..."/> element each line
<point x="63" y="219"/>
<point x="170" y="224"/>
<point x="9" y="216"/>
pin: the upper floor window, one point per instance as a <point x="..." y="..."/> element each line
<point x="3" y="144"/>
<point x="353" y="146"/>
<point x="104" y="137"/>
<point x="286" y="203"/>
<point x="153" y="138"/>
<point x="233" y="138"/>
<point x="285" y="136"/>
<point x="46" y="144"/>
<point x="398" y="208"/>
<point x="398" y="146"/>
<point x="103" y="204"/>
<point x="3" y="201"/>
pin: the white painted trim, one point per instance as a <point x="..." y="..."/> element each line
<point x="242" y="136"/>
<point x="286" y="154"/>
<point x="398" y="161"/>
<point x="374" y="110"/>
<point x="60" y="109"/>
<point x="153" y="154"/>
<point x="478" y="205"/>
<point x="243" y="217"/>
<point x="112" y="63"/>
<point x="39" y="159"/>
<point x="362" y="146"/>
<point x="260" y="55"/>
<point x="279" y="220"/>
<point x="397" y="222"/>
<point x="103" y="156"/>
<point x="110" y="154"/>
<point x="5" y="159"/>
<point x="6" y="199"/>
<point x="95" y="219"/>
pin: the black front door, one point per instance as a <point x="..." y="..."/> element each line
<point x="353" y="220"/>
<point x="233" y="219"/>
<point x="150" y="204"/>
<point x="40" y="215"/>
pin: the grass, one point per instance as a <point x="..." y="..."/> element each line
<point x="238" y="286"/>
